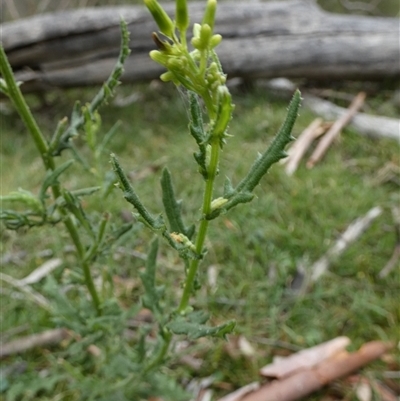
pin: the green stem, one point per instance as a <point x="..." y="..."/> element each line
<point x="18" y="100"/>
<point x="158" y="359"/>
<point x="201" y="236"/>
<point x="22" y="108"/>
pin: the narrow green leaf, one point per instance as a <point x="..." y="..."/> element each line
<point x="131" y="196"/>
<point x="228" y="188"/>
<point x="85" y="191"/>
<point x="193" y="326"/>
<point x="26" y="198"/>
<point x="3" y="87"/>
<point x="275" y="152"/>
<point x="243" y="192"/>
<point x="107" y="138"/>
<point x="106" y="91"/>
<point x="55" y="140"/>
<point x="196" y="129"/>
<point x="152" y="293"/>
<point x="52" y="178"/>
<point x="172" y="206"/>
<point x="73" y="204"/>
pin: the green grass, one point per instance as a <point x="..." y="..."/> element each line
<point x="292" y="219"/>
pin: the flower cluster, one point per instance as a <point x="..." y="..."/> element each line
<point x="198" y="70"/>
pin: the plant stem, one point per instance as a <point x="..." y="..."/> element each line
<point x="16" y="97"/>
<point x="201" y="236"/>
<point x="158" y="359"/>
<point x="22" y="108"/>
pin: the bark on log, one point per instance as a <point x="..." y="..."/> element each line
<point x="294" y="38"/>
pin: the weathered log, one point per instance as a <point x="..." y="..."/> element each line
<point x="294" y="38"/>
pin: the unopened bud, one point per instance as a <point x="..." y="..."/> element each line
<point x="196" y="30"/>
<point x="218" y="203"/>
<point x="225" y="109"/>
<point x="167" y="76"/>
<point x="205" y="35"/>
<point x="209" y="14"/>
<point x="215" y="40"/>
<point x="159" y="57"/>
<point x="161" y="18"/>
<point x="182" y="16"/>
<point x="175" y="63"/>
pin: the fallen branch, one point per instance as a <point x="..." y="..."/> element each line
<point x="27" y="290"/>
<point x="335" y="130"/>
<point x="354" y="231"/>
<point x="365" y="124"/>
<point x="305" y="359"/>
<point x="294" y="38"/>
<point x="48" y="337"/>
<point x="307" y="381"/>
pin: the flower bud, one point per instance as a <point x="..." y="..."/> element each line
<point x="161" y="18"/>
<point x="159" y="57"/>
<point x="167" y="76"/>
<point x="196" y="43"/>
<point x="215" y="41"/>
<point x="218" y="203"/>
<point x="175" y="64"/>
<point x="209" y="14"/>
<point x="196" y="30"/>
<point x="225" y="109"/>
<point x="201" y="42"/>
<point x="182" y="16"/>
<point x="205" y="35"/>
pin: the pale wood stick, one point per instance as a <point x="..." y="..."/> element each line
<point x="27" y="290"/>
<point x="394" y="260"/>
<point x="353" y="231"/>
<point x="306" y="359"/>
<point x="336" y="128"/>
<point x="305" y="382"/>
<point x="302" y="143"/>
<point x="48" y="337"/>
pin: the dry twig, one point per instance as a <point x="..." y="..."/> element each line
<point x="365" y="124"/>
<point x="354" y="230"/>
<point x="394" y="260"/>
<point x="302" y="143"/>
<point x="336" y="128"/>
<point x="48" y="337"/>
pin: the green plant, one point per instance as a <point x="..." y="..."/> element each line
<point x="135" y="371"/>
